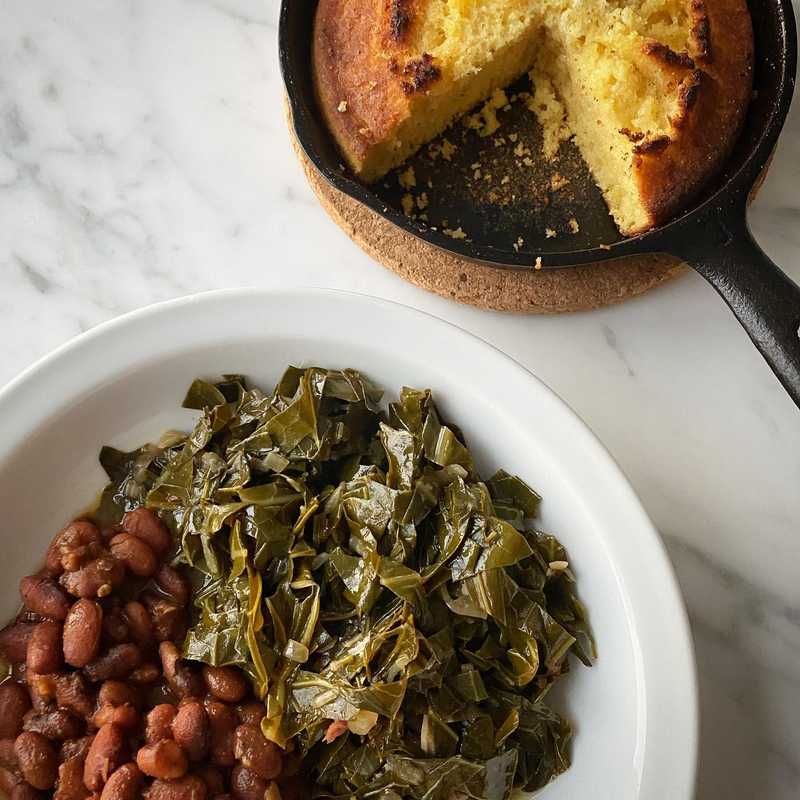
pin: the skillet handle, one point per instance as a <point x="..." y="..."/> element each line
<point x="764" y="299"/>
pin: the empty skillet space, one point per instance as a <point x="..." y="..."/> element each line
<point x="97" y="391"/>
<point x="500" y="190"/>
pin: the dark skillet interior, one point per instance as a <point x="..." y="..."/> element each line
<point x="496" y="214"/>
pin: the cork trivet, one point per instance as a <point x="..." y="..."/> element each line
<point x="536" y="292"/>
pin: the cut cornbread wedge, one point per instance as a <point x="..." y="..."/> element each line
<point x="655" y="91"/>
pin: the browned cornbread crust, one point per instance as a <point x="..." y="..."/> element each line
<point x="715" y="89"/>
<point x="367" y="82"/>
<point x="350" y="65"/>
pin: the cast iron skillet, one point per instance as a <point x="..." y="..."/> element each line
<point x="713" y="236"/>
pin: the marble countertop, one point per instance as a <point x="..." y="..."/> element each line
<point x="143" y="156"/>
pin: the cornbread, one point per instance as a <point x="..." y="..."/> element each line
<point x="653" y="91"/>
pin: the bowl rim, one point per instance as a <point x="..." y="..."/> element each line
<point x="674" y="632"/>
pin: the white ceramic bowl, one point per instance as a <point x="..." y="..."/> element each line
<point x="635" y="711"/>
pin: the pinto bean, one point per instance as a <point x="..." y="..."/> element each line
<point x="70" y="784"/>
<point x="171" y="582"/>
<point x="191" y="729"/>
<point x="163" y="759"/>
<point x="44" y="648"/>
<point x="115" y="627"/>
<point x="44" y="596"/>
<point x="58" y="725"/>
<point x="74" y="543"/>
<point x="222" y="727"/>
<point x="82" y="629"/>
<point x="124" y="784"/>
<point x="257" y="753"/>
<point x="185" y="681"/>
<point x="42" y="690"/>
<point x="139" y="624"/>
<point x="97" y="578"/>
<point x="116" y="664"/>
<point x="135" y="553"/>
<point x="159" y="723"/>
<point x="146" y="673"/>
<point x="212" y="778"/>
<point x="75" y="748"/>
<point x="37" y="760"/>
<point x="8" y="755"/>
<point x="168" y="619"/>
<point x="251" y="713"/>
<point x="24" y="791"/>
<point x="145" y="525"/>
<point x="14" y="704"/>
<point x="246" y="784"/>
<point x="14" y="640"/>
<point x="170" y="658"/>
<point x="74" y="694"/>
<point x="189" y="787"/>
<point x="107" y="753"/>
<point x="8" y="780"/>
<point x="225" y="683"/>
<point x="126" y="716"/>
<point x="118" y="693"/>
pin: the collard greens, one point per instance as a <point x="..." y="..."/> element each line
<point x="355" y="565"/>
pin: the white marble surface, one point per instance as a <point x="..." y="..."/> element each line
<point x="143" y="156"/>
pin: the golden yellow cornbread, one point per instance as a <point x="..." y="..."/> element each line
<point x="653" y="91"/>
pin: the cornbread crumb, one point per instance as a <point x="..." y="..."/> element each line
<point x="455" y="234"/>
<point x="422" y="201"/>
<point x="407" y="178"/>
<point x="558" y="181"/>
<point x="573" y="225"/>
<point x="538" y="263"/>
<point x="448" y="148"/>
<point x="407" y="201"/>
<point x="550" y="233"/>
<point x="485" y="121"/>
<point x="550" y="112"/>
<point x="342" y="107"/>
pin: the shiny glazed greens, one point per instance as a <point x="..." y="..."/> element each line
<point x="401" y="618"/>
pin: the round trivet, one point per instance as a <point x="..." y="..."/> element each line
<point x="536" y="292"/>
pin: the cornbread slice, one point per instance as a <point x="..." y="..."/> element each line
<point x="654" y="91"/>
